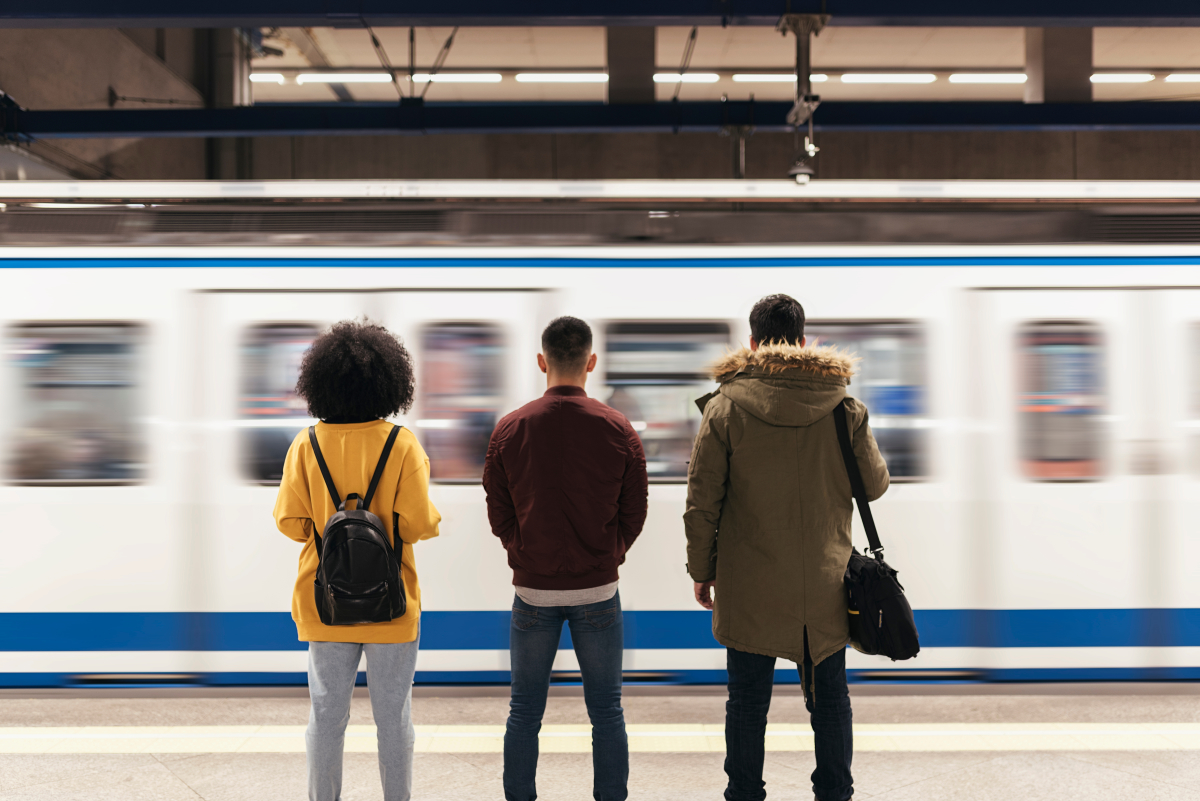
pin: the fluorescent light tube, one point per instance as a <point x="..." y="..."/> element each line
<point x="988" y="77"/>
<point x="266" y="77"/>
<point x="562" y="77"/>
<point x="457" y="77"/>
<point x="343" y="77"/>
<point x="775" y="77"/>
<point x="1183" y="77"/>
<point x="1122" y="77"/>
<point x="687" y="77"/>
<point x="889" y="77"/>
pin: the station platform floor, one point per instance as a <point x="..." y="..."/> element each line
<point x="934" y="743"/>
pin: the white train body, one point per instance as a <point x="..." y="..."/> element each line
<point x="1030" y="550"/>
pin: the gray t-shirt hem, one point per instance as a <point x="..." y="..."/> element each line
<point x="591" y="595"/>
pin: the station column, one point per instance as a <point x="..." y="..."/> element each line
<point x="630" y="55"/>
<point x="1058" y="62"/>
<point x="227" y="69"/>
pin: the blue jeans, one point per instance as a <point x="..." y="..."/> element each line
<point x="751" y="678"/>
<point x="597" y="631"/>
<point x="332" y="670"/>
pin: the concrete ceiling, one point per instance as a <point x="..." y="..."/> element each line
<point x="727" y="50"/>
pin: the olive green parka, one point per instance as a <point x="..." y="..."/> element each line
<point x="769" y="503"/>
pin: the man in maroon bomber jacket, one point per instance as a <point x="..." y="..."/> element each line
<point x="565" y="478"/>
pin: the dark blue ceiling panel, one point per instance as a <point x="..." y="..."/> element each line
<point x="354" y="13"/>
<point x="449" y="118"/>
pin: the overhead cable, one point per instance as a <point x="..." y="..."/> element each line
<point x="383" y="59"/>
<point x="441" y="59"/>
<point x="688" y="49"/>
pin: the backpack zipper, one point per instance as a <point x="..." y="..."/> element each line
<point x="881" y="617"/>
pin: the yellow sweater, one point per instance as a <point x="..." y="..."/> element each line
<point x="352" y="451"/>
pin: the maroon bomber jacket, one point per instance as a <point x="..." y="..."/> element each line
<point x="565" y="478"/>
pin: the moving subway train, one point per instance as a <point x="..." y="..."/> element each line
<point x="1032" y="372"/>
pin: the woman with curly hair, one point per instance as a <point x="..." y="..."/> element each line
<point x="353" y="378"/>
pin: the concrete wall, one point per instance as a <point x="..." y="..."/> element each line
<point x="17" y="164"/>
<point x="53" y="69"/>
<point x="980" y="155"/>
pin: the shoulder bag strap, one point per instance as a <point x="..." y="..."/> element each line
<point x="333" y="493"/>
<point x="383" y="457"/>
<point x="842" y="423"/>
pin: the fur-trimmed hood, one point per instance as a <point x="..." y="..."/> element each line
<point x="773" y="359"/>
<point x="785" y="385"/>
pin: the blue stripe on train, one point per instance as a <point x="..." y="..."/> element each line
<point x="488" y="630"/>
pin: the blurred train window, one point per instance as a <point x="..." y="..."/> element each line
<point x="1193" y="407"/>
<point x="271" y="414"/>
<point x="654" y="373"/>
<point x="1062" y="397"/>
<point x="79" y="404"/>
<point x="891" y="381"/>
<point x="462" y="392"/>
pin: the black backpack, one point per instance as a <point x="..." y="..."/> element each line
<point x="358" y="576"/>
<point x="881" y="621"/>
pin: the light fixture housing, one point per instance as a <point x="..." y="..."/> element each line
<point x="988" y="77"/>
<point x="775" y="77"/>
<point x="888" y="77"/>
<point x="457" y="77"/>
<point x="801" y="171"/>
<point x="1122" y="77"/>
<point x="343" y="77"/>
<point x="687" y="77"/>
<point x="562" y="77"/>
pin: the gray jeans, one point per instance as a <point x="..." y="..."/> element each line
<point x="332" y="670"/>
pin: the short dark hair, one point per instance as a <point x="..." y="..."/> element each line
<point x="566" y="343"/>
<point x="356" y="372"/>
<point x="777" y="318"/>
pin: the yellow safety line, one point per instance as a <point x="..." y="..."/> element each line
<point x="658" y="737"/>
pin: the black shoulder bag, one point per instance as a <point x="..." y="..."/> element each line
<point x="881" y="621"/>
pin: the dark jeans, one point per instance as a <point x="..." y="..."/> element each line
<point x="597" y="631"/>
<point x="751" y="677"/>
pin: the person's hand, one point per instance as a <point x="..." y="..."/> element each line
<point x="703" y="592"/>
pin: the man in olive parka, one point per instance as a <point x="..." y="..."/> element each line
<point x="768" y="526"/>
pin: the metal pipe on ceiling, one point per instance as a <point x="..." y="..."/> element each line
<point x="686" y="117"/>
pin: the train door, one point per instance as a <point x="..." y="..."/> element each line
<point x="1172" y="455"/>
<point x="476" y="360"/>
<point x="652" y="371"/>
<point x="250" y="345"/>
<point x="91" y="411"/>
<point x="1059" y="379"/>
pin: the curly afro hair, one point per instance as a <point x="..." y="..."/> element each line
<point x="356" y="372"/>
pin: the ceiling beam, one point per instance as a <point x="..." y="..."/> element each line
<point x="383" y="13"/>
<point x="691" y="117"/>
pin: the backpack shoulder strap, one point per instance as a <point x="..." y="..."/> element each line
<point x="333" y="493"/>
<point x="383" y="457"/>
<point x="842" y="423"/>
